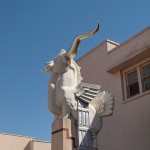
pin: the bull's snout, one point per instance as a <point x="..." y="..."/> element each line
<point x="48" y="66"/>
<point x="50" y="63"/>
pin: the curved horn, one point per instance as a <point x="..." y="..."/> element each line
<point x="74" y="47"/>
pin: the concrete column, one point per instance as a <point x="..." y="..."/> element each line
<point x="63" y="135"/>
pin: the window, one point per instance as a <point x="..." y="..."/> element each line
<point x="132" y="83"/>
<point x="136" y="79"/>
<point x="146" y="77"/>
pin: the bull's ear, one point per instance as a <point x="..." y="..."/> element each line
<point x="66" y="60"/>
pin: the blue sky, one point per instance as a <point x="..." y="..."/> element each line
<point x="33" y="32"/>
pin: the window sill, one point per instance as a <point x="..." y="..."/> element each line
<point x="136" y="96"/>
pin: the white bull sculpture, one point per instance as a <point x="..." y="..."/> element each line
<point x="65" y="87"/>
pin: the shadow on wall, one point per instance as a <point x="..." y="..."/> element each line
<point x="29" y="146"/>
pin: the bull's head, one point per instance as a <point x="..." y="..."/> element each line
<point x="63" y="60"/>
<point x="59" y="64"/>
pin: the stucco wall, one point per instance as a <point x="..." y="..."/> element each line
<point x="129" y="47"/>
<point x="11" y="142"/>
<point x="15" y="142"/>
<point x="129" y="127"/>
<point x="39" y="145"/>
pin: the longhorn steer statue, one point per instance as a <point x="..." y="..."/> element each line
<point x="66" y="88"/>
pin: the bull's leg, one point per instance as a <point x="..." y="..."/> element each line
<point x="67" y="100"/>
<point x="66" y="110"/>
<point x="53" y="107"/>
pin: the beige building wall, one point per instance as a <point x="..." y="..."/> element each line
<point x="15" y="142"/>
<point x="40" y="145"/>
<point x="129" y="127"/>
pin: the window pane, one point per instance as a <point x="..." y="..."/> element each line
<point x="132" y="77"/>
<point x="146" y="84"/>
<point x="146" y="70"/>
<point x="133" y="89"/>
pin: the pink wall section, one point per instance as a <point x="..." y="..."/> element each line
<point x="15" y="142"/>
<point x="129" y="127"/>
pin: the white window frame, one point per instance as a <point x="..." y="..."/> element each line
<point x="138" y="68"/>
<point x="142" y="78"/>
<point x="128" y="85"/>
